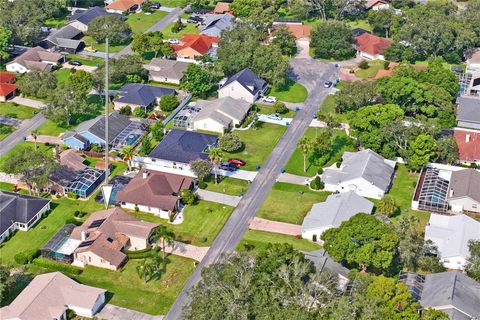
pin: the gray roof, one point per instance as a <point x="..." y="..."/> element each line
<point x="63" y="34"/>
<point x="249" y="80"/>
<point x="365" y="164"/>
<point x="451" y="234"/>
<point x="116" y="124"/>
<point x="15" y="207"/>
<point x="141" y="94"/>
<point x="223" y="110"/>
<point x="337" y="208"/>
<point x="85" y="16"/>
<point x="214" y="24"/>
<point x="33" y="57"/>
<point x="322" y="260"/>
<point x="184" y="146"/>
<point x="165" y="68"/>
<point x="465" y="183"/>
<point x="468" y="109"/>
<point x="453" y="289"/>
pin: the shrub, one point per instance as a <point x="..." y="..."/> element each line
<point x="140" y="254"/>
<point x="138" y="112"/>
<point x="202" y="184"/>
<point x="72" y="195"/>
<point x="26" y="257"/>
<point x="171" y="217"/>
<point x="280" y="107"/>
<point x="73" y="221"/>
<point x="385" y="65"/>
<point x="127" y="110"/>
<point x="230" y="142"/>
<point x="47" y="144"/>
<point x="338" y="164"/>
<point x="319" y="170"/>
<point x="203" y="239"/>
<point x="79" y="214"/>
<point x="168" y="103"/>
<point x="56" y="266"/>
<point x="188" y="197"/>
<point x="96" y="148"/>
<point x="136" y="208"/>
<point x="317" y="184"/>
<point x="363" y="65"/>
<point x="314" y="238"/>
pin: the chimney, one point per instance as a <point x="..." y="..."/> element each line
<point x="467" y="137"/>
<point x="451" y="192"/>
<point x="84" y="236"/>
<point x="145" y="174"/>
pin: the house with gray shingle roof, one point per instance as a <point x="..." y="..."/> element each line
<point x="36" y="58"/>
<point x="464" y="191"/>
<point x="164" y="70"/>
<point x="20" y="212"/>
<point x="338" y="207"/>
<point x="215" y="24"/>
<point x="81" y="17"/>
<point x="65" y="39"/>
<point x="244" y="85"/>
<point x="137" y="95"/>
<point x="366" y="173"/>
<point x="468" y="112"/>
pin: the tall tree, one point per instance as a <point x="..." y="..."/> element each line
<point x="447" y="150"/>
<point x="473" y="265"/>
<point x="382" y="21"/>
<point x="284" y="40"/>
<point x="387" y="205"/>
<point x="421" y="151"/>
<point x="355" y="95"/>
<point x="5" y="38"/>
<point x="198" y="80"/>
<point x="6" y="282"/>
<point x="127" y="155"/>
<point x="81" y="81"/>
<point x="215" y="155"/>
<point x="37" y="84"/>
<point x="201" y="168"/>
<point x="332" y="39"/>
<point x="145" y="269"/>
<point x="165" y="236"/>
<point x="304" y="145"/>
<point x="111" y="27"/>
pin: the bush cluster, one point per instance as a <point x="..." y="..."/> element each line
<point x="26" y="257"/>
<point x="317" y="184"/>
<point x="56" y="266"/>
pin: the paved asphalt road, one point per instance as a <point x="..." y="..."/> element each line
<point x="24" y="130"/>
<point x="160" y="25"/>
<point x="312" y="74"/>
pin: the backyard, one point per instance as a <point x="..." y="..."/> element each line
<point x="289" y="202"/>
<point x="190" y="28"/>
<point x="141" y="22"/>
<point x="292" y="92"/>
<point x="18" y="111"/>
<point x="258" y="144"/>
<point x="90" y="42"/>
<point x="261" y="239"/>
<point x="62" y="75"/>
<point x="229" y="186"/>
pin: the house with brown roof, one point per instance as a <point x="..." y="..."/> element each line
<point x="468" y="142"/>
<point x="167" y="71"/>
<point x="105" y="234"/>
<point x="50" y="295"/>
<point x="194" y="46"/>
<point x="35" y="58"/>
<point x="297" y="29"/>
<point x="464" y="191"/>
<point x="376" y="5"/>
<point x="371" y="47"/>
<point x="154" y="192"/>
<point x="222" y="7"/>
<point x="121" y="6"/>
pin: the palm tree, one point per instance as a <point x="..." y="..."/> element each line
<point x="165" y="235"/>
<point x="215" y="155"/>
<point x="145" y="269"/>
<point x="304" y="145"/>
<point x="127" y="154"/>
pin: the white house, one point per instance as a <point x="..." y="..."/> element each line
<point x="221" y="114"/>
<point x="35" y="58"/>
<point x="464" y="191"/>
<point x="365" y="172"/>
<point x="376" y="5"/>
<point x="337" y="208"/>
<point x="244" y="85"/>
<point x="371" y="47"/>
<point x="451" y="235"/>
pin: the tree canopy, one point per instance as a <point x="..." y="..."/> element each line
<point x="108" y="26"/>
<point x="332" y="39"/>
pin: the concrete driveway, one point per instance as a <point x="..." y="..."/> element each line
<point x="28" y="102"/>
<point x="275" y="226"/>
<point x="219" y="197"/>
<point x="90" y="69"/>
<point x="239" y="174"/>
<point x="303" y="49"/>
<point x="284" y="122"/>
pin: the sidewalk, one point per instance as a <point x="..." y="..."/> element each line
<point x="292" y="178"/>
<point x="275" y="226"/>
<point x="187" y="250"/>
<point x="28" y="102"/>
<point x="218" y="197"/>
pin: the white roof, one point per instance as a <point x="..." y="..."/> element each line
<point x="222" y="110"/>
<point x="69" y="246"/>
<point x="452" y="233"/>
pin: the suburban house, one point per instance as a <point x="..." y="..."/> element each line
<point x="82" y="17"/>
<point x="244" y="85"/>
<point x="194" y="46"/>
<point x="164" y="70"/>
<point x="300" y="31"/>
<point x="371" y="47"/>
<point x="124" y="6"/>
<point x="65" y="39"/>
<point x="221" y="114"/>
<point x="138" y="95"/>
<point x="7" y="87"/>
<point x="468" y="112"/>
<point x="451" y="235"/>
<point x="105" y="234"/>
<point x="376" y="5"/>
<point x="473" y="61"/>
<point x="464" y="191"/>
<point x="215" y="24"/>
<point x="322" y="261"/>
<point x="121" y="132"/>
<point x="365" y="172"/>
<point x="337" y="208"/>
<point x="74" y="176"/>
<point x="50" y="295"/>
<point x="20" y="212"/>
<point x="35" y="58"/>
<point x="468" y="142"/>
<point x="154" y="192"/>
<point x="222" y="7"/>
<point x="177" y="149"/>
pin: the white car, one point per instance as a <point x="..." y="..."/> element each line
<point x="269" y="99"/>
<point x="173" y="41"/>
<point x="274" y="116"/>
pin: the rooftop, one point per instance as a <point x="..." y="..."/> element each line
<point x="465" y="183"/>
<point x="223" y="110"/>
<point x="7" y="88"/>
<point x="34" y="58"/>
<point x="199" y="42"/>
<point x="249" y="80"/>
<point x="468" y="109"/>
<point x="468" y="149"/>
<point x="124" y="5"/>
<point x="85" y="16"/>
<point x="141" y="94"/>
<point x="167" y="68"/>
<point x="214" y="24"/>
<point x="372" y="44"/>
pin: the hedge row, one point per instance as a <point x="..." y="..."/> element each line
<point x="56" y="266"/>
<point x="142" y="254"/>
<point x="26" y="257"/>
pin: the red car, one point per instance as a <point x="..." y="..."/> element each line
<point x="237" y="162"/>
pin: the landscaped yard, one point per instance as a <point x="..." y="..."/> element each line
<point x="289" y="202"/>
<point x="62" y="75"/>
<point x="293" y="92"/>
<point x="90" y="42"/>
<point x="339" y="144"/>
<point x="261" y="239"/>
<point x="18" y="111"/>
<point x="371" y="71"/>
<point x="50" y="128"/>
<point x="202" y="222"/>
<point x="141" y="22"/>
<point x="258" y="144"/>
<point x="190" y="28"/>
<point x="329" y="106"/>
<point x="360" y="24"/>
<point x="86" y="60"/>
<point x="229" y="186"/>
<point x="268" y="108"/>
<point x="5" y="131"/>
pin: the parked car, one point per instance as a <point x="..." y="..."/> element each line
<point x="173" y="41"/>
<point x="155" y="5"/>
<point x="75" y="63"/>
<point x="237" y="162"/>
<point x="194" y="19"/>
<point x="228" y="166"/>
<point x="269" y="99"/>
<point x="274" y="116"/>
<point x="328" y="84"/>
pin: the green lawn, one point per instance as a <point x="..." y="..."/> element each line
<point x="202" y="222"/>
<point x="289" y="202"/>
<point x="20" y="146"/>
<point x="50" y="128"/>
<point x="62" y="75"/>
<point x="5" y="131"/>
<point x="18" y="111"/>
<point x="174" y="3"/>
<point x="339" y="144"/>
<point x="360" y="24"/>
<point x="293" y="92"/>
<point x="229" y="186"/>
<point x="268" y="108"/>
<point x="86" y="60"/>
<point x="6" y="186"/>
<point x="258" y="144"/>
<point x="329" y="106"/>
<point x="190" y="28"/>
<point x="90" y="42"/>
<point x="261" y="239"/>
<point x="57" y="22"/>
<point x="141" y="22"/>
<point x="374" y="67"/>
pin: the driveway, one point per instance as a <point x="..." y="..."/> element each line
<point x="292" y="178"/>
<point x="28" y="102"/>
<point x="275" y="226"/>
<point x="111" y="312"/>
<point x="239" y="174"/>
<point x="24" y="130"/>
<point x="303" y="49"/>
<point x="90" y="69"/>
<point x="187" y="250"/>
<point x="218" y="197"/>
<point x="46" y="139"/>
<point x="284" y="122"/>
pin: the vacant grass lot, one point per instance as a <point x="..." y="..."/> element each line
<point x="371" y="71"/>
<point x="292" y="92"/>
<point x="261" y="239"/>
<point x="202" y="222"/>
<point x="141" y="22"/>
<point x="258" y="144"/>
<point x="229" y="186"/>
<point x="339" y="144"/>
<point x="289" y="202"/>
<point x="190" y="28"/>
<point x="17" y="111"/>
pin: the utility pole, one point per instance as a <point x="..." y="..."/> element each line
<point x="106" y="189"/>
